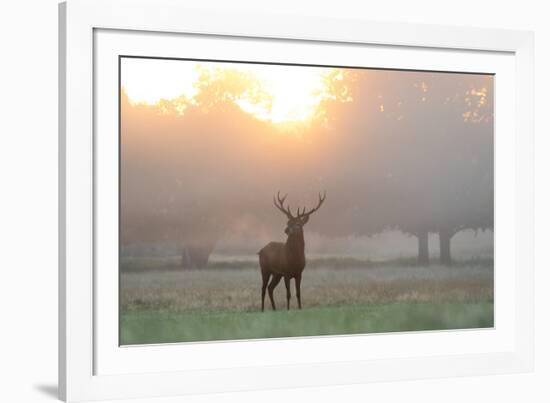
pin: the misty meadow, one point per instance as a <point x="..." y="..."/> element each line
<point x="263" y="201"/>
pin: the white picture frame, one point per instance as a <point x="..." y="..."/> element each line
<point x="92" y="366"/>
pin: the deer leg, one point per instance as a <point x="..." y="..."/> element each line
<point x="265" y="280"/>
<point x="274" y="281"/>
<point x="298" y="282"/>
<point x="287" y="285"/>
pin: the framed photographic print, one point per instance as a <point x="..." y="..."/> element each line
<point x="246" y="208"/>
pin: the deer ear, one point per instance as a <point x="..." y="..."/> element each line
<point x="305" y="220"/>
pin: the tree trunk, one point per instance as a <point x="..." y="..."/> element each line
<point x="195" y="256"/>
<point x="445" y="247"/>
<point x="423" y="250"/>
<point x="185" y="258"/>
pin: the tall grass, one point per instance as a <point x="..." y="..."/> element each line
<point x="239" y="289"/>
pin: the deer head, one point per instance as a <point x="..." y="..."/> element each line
<point x="296" y="222"/>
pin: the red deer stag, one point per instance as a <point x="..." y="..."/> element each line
<point x="286" y="260"/>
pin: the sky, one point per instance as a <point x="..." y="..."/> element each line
<point x="295" y="93"/>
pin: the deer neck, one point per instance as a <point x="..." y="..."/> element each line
<point x="295" y="245"/>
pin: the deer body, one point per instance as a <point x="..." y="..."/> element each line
<point x="286" y="260"/>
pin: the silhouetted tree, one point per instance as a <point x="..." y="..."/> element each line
<point x="447" y="175"/>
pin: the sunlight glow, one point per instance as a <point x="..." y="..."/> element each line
<point x="295" y="93"/>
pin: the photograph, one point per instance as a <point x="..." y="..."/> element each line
<point x="265" y="200"/>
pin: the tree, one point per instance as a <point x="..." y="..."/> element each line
<point x="427" y="152"/>
<point x="193" y="168"/>
<point x="452" y="165"/>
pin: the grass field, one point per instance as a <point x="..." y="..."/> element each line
<point x="223" y="303"/>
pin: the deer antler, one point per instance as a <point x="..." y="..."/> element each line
<point x="305" y="215"/>
<point x="279" y="203"/>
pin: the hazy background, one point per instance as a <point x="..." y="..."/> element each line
<point x="406" y="160"/>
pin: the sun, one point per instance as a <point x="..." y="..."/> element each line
<point x="295" y="92"/>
